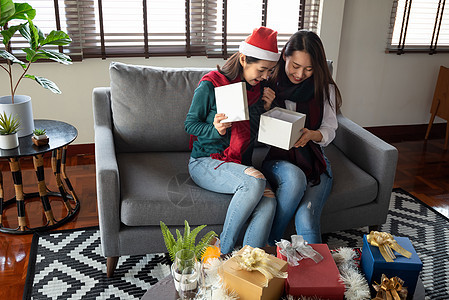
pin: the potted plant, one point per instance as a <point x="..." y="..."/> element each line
<point x="40" y="137"/>
<point x="186" y="241"/>
<point x="185" y="255"/>
<point x="22" y="15"/>
<point x="8" y="131"/>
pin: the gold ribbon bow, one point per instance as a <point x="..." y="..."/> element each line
<point x="390" y="289"/>
<point x="386" y="242"/>
<point x="256" y="259"/>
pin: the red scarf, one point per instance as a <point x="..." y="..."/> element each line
<point x="240" y="131"/>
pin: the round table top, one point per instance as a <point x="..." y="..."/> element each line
<point x="59" y="133"/>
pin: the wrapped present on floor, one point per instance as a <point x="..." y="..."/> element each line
<point x="254" y="274"/>
<point x="390" y="288"/>
<point x="393" y="256"/>
<point x="311" y="271"/>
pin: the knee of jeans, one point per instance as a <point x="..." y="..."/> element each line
<point x="251" y="171"/>
<point x="268" y="193"/>
<point x="290" y="174"/>
<point x="255" y="179"/>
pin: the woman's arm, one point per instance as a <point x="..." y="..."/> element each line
<point x="326" y="133"/>
<point x="200" y="118"/>
<point x="329" y="123"/>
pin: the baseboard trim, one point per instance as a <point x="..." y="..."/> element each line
<point x="81" y="149"/>
<point x="401" y="133"/>
<point x="390" y="134"/>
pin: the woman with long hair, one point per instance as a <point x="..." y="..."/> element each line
<point x="302" y="177"/>
<point x="221" y="152"/>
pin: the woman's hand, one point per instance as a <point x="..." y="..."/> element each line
<point x="221" y="127"/>
<point x="308" y="135"/>
<point x="268" y="97"/>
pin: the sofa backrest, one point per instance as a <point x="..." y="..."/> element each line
<point x="149" y="106"/>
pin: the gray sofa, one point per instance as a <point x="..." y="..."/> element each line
<point x="142" y="151"/>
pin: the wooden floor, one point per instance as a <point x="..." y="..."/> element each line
<point x="423" y="170"/>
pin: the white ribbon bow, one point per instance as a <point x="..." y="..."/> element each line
<point x="298" y="249"/>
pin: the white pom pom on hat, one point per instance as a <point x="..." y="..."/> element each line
<point x="261" y="44"/>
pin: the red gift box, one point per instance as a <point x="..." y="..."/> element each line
<point x="315" y="279"/>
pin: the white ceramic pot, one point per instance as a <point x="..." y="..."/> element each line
<point x="40" y="137"/>
<point x="9" y="141"/>
<point x="22" y="109"/>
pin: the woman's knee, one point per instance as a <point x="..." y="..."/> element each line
<point x="288" y="173"/>
<point x="253" y="172"/>
<point x="254" y="179"/>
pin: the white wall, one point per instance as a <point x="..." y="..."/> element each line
<point x="381" y="89"/>
<point x="378" y="89"/>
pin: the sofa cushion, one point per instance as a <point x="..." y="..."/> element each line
<point x="351" y="185"/>
<point x="156" y="186"/>
<point x="149" y="106"/>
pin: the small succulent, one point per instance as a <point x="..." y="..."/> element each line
<point x="38" y="131"/>
<point x="186" y="241"/>
<point x="8" y="124"/>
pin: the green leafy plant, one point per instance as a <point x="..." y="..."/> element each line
<point x="24" y="14"/>
<point x="39" y="131"/>
<point x="187" y="240"/>
<point x="8" y="124"/>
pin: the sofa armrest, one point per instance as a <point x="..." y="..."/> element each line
<point x="371" y="154"/>
<point x="107" y="173"/>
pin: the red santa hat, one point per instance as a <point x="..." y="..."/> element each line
<point x="261" y="44"/>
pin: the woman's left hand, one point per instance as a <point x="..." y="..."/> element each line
<point x="308" y="135"/>
<point x="268" y="97"/>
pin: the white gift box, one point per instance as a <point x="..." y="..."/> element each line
<point x="232" y="101"/>
<point x="281" y="127"/>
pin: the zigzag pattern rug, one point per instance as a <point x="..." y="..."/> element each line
<point x="69" y="265"/>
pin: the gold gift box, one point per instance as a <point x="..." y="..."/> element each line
<point x="249" y="285"/>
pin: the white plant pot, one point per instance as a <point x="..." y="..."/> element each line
<point x="9" y="141"/>
<point x="40" y="137"/>
<point x="21" y="108"/>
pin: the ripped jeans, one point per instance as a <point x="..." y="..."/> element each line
<point x="295" y="197"/>
<point x="250" y="202"/>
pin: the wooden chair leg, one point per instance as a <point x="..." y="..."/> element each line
<point x="111" y="264"/>
<point x="432" y="118"/>
<point x="447" y="136"/>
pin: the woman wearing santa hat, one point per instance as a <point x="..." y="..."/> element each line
<point x="302" y="176"/>
<point x="221" y="152"/>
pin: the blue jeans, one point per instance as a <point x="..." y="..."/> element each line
<point x="247" y="204"/>
<point x="295" y="197"/>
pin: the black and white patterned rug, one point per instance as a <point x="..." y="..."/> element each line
<point x="69" y="265"/>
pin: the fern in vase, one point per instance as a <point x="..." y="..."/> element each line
<point x="187" y="240"/>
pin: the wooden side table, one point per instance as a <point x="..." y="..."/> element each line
<point x="60" y="136"/>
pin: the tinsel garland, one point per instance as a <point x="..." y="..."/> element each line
<point x="356" y="285"/>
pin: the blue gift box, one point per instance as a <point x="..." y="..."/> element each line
<point x="374" y="265"/>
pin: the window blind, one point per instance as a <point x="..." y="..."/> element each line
<point x="419" y="26"/>
<point x="144" y="28"/>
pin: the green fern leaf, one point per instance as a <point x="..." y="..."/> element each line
<point x="186" y="233"/>
<point x="178" y="246"/>
<point x="204" y="243"/>
<point x="193" y="235"/>
<point x="168" y="239"/>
